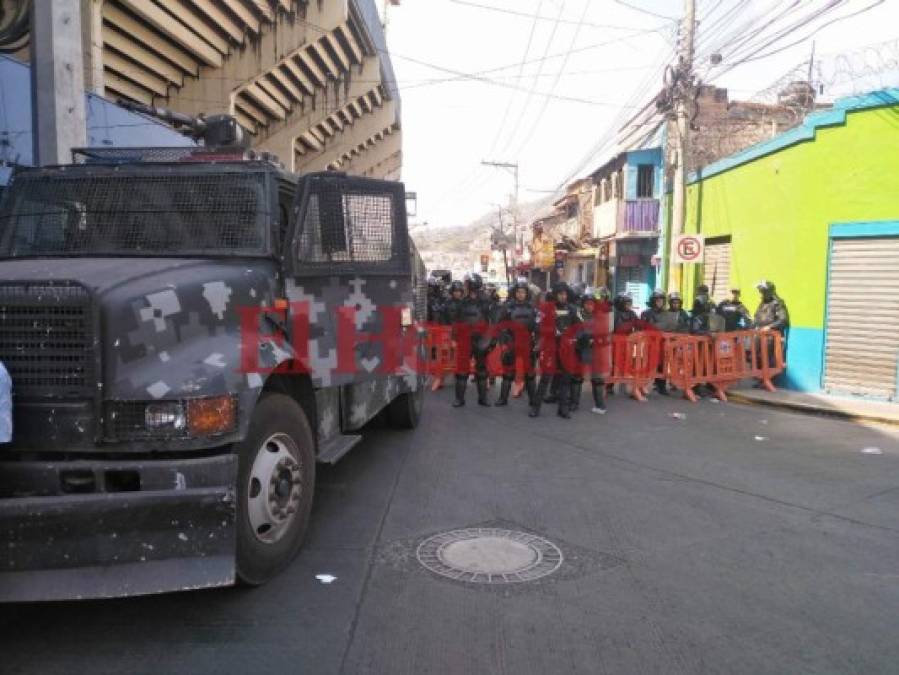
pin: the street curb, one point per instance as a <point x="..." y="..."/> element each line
<point x="737" y="397"/>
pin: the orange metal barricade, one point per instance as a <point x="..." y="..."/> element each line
<point x="723" y="359"/>
<point x="746" y="354"/>
<point x="635" y="361"/>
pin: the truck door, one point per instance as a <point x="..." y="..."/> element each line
<point x="349" y="248"/>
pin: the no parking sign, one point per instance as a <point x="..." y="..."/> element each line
<point x="688" y="249"/>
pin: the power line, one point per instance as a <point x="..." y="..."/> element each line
<point x="644" y="10"/>
<point x="816" y="31"/>
<point x="487" y="80"/>
<point x="546" y="101"/>
<point x="527" y="101"/>
<point x="538" y="17"/>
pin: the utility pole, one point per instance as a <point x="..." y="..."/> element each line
<point x="512" y="166"/>
<point x="683" y="93"/>
<point x="58" y="115"/>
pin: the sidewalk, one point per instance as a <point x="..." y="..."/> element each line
<point x="848" y="408"/>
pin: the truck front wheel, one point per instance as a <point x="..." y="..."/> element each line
<point x="275" y="485"/>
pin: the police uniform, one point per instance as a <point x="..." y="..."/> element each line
<point x="594" y="324"/>
<point x="524" y="314"/>
<point x="624" y="318"/>
<point x="471" y="318"/>
<point x="564" y="316"/>
<point x="735" y="315"/>
<point x="682" y="319"/>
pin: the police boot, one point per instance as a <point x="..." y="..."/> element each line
<point x="599" y="400"/>
<point x="564" y="392"/>
<point x="461" y="383"/>
<point x="553" y="392"/>
<point x="482" y="391"/>
<point x="662" y="387"/>
<point x="539" y="395"/>
<point x="576" y="389"/>
<point x="530" y="386"/>
<point x="505" y="388"/>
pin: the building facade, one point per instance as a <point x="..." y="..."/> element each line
<point x="816" y="211"/>
<point x="311" y="81"/>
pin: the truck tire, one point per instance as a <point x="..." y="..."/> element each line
<point x="275" y="486"/>
<point x="404" y="411"/>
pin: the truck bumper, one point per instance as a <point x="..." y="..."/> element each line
<point x="129" y="528"/>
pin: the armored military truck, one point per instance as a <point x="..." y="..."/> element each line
<point x="170" y="319"/>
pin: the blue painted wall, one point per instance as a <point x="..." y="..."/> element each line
<point x="635" y="158"/>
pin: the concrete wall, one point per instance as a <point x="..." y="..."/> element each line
<point x="777" y="200"/>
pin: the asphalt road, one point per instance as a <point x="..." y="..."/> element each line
<point x="689" y="547"/>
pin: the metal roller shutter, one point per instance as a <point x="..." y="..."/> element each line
<point x="716" y="270"/>
<point x="862" y="343"/>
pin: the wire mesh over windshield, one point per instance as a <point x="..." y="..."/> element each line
<point x="351" y="223"/>
<point x="133" y="214"/>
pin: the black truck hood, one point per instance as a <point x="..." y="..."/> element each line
<point x="168" y="327"/>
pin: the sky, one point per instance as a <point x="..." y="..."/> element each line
<point x="486" y="80"/>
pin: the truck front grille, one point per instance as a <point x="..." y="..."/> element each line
<point x="47" y="339"/>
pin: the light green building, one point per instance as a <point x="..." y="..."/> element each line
<point x="815" y="210"/>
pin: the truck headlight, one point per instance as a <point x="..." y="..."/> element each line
<point x="186" y="418"/>
<point x="167" y="416"/>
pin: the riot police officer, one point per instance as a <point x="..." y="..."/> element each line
<point x="451" y="309"/>
<point x="734" y="312"/>
<point x="676" y="306"/>
<point x="703" y="311"/>
<point x="471" y="318"/>
<point x="625" y="315"/>
<point x="585" y="341"/>
<point x="435" y="299"/>
<point x="772" y="311"/>
<point x="656" y="307"/>
<point x="575" y="293"/>
<point x="563" y="317"/>
<point x="520" y="310"/>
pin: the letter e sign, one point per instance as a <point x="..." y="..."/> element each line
<point x="688" y="249"/>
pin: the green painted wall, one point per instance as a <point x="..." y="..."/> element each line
<point x="777" y="208"/>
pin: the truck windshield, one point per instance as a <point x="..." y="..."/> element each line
<point x="69" y="213"/>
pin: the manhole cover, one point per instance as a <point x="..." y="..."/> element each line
<point x="489" y="555"/>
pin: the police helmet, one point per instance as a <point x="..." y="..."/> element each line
<point x="765" y="285"/>
<point x="457" y="286"/>
<point x="702" y="289"/>
<point x="657" y="294"/>
<point x="560" y="287"/>
<point x="577" y="290"/>
<point x="520" y="284"/>
<point x="474" y="281"/>
<point x="675" y="297"/>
